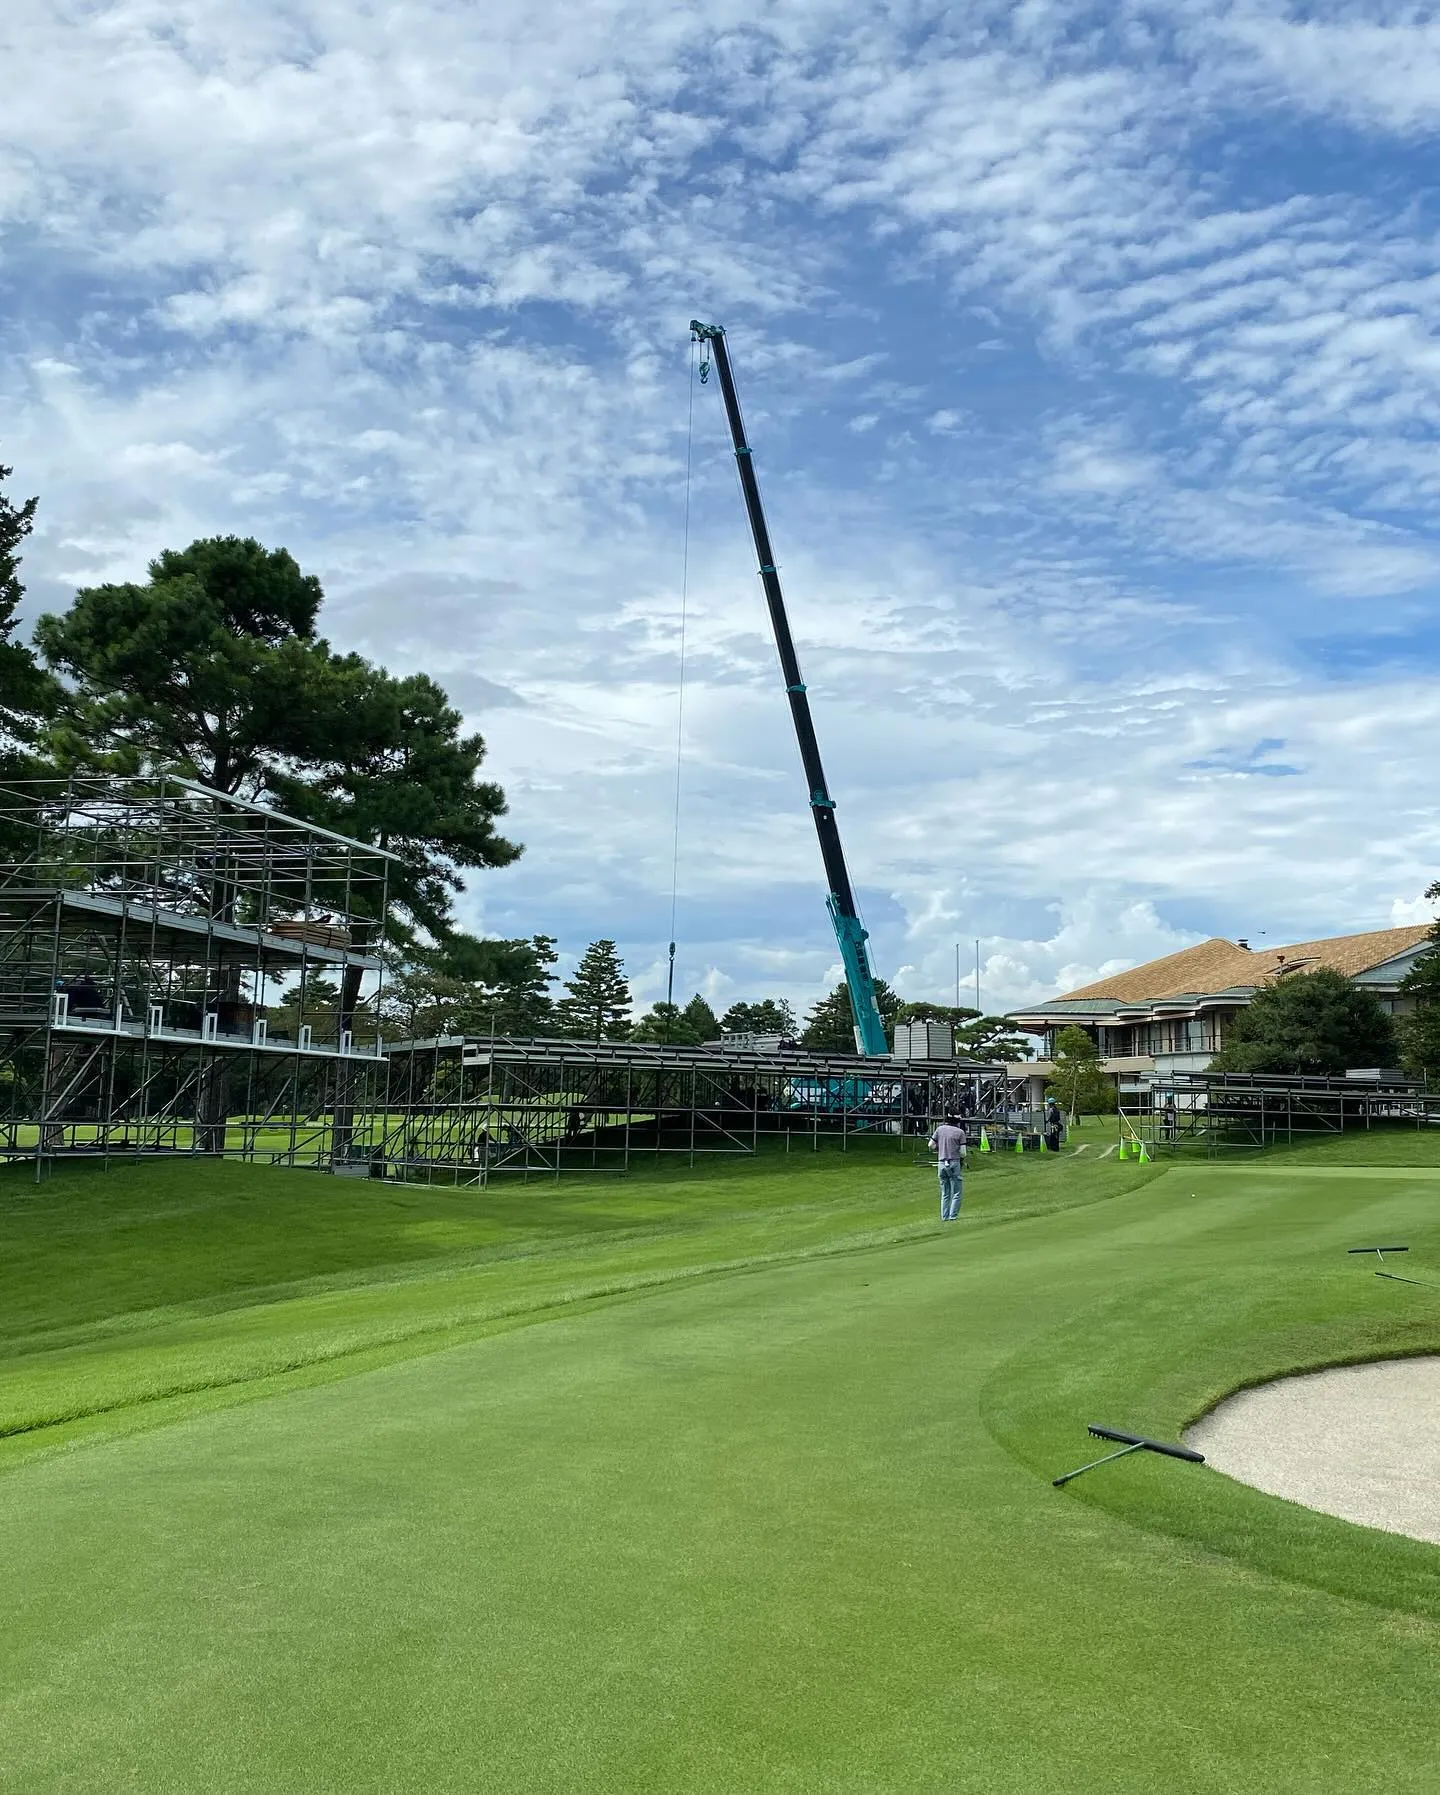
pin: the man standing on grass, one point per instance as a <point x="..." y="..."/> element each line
<point x="950" y="1144"/>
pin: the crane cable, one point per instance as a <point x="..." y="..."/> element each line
<point x="680" y="694"/>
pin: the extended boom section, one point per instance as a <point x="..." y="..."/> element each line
<point x="849" y="931"/>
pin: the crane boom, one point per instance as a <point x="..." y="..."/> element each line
<point x="849" y="931"/>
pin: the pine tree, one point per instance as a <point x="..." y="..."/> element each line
<point x="1419" y="1032"/>
<point x="668" y="1025"/>
<point x="213" y="668"/>
<point x="992" y="1038"/>
<point x="26" y="692"/>
<point x="702" y="1019"/>
<point x="1080" y="1082"/>
<point x="596" y="1006"/>
<point x="470" y="986"/>
<point x="830" y="1026"/>
<point x="771" y="1016"/>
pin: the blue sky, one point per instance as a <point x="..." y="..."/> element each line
<point x="1090" y="359"/>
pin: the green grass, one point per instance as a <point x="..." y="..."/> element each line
<point x="732" y="1479"/>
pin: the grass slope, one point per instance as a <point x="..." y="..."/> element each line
<point x="764" y="1505"/>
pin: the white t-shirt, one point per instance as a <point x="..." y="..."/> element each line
<point x="949" y="1142"/>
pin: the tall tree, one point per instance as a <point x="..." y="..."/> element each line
<point x="508" y="982"/>
<point x="1420" y="1041"/>
<point x="668" y="1025"/>
<point x="27" y="693"/>
<point x="830" y="1026"/>
<point x="771" y="1016"/>
<point x="395" y="768"/>
<point x="992" y="1038"/>
<point x="470" y="987"/>
<point x="1079" y="1082"/>
<point x="936" y="1012"/>
<point x="1419" y="1032"/>
<point x="1309" y="1024"/>
<point x="212" y="669"/>
<point x="596" y="1005"/>
<point x="702" y="1019"/>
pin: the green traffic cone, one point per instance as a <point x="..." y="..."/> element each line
<point x="1144" y="1156"/>
<point x="984" y="1141"/>
<point x="1124" y="1150"/>
<point x="1019" y="1143"/>
<point x="1043" y="1147"/>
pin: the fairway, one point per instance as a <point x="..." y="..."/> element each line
<point x="732" y="1479"/>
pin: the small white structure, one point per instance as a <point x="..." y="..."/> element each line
<point x="747" y="1043"/>
<point x="924" y="1041"/>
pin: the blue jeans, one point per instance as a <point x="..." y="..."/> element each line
<point x="952" y="1188"/>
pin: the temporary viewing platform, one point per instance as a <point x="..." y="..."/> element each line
<point x="182" y="970"/>
<point x="1226" y="1110"/>
<point x="480" y="1106"/>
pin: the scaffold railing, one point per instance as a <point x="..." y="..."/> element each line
<point x="481" y="1107"/>
<point x="1219" y="1112"/>
<point x="182" y="970"/>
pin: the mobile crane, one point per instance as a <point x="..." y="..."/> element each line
<point x="849" y="931"/>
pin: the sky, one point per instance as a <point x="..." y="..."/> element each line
<point x="1089" y="359"/>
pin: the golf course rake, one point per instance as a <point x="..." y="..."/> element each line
<point x="1393" y="1276"/>
<point x="1132" y="1443"/>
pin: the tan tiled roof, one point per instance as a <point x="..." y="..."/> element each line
<point x="1217" y="964"/>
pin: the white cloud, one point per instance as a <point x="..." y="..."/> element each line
<point x="1412" y="910"/>
<point x="1362" y="65"/>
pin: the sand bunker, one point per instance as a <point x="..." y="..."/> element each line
<point x="1361" y="1442"/>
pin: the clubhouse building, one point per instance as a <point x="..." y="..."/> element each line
<point x="1171" y="1015"/>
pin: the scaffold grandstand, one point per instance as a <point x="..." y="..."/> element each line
<point x="147" y="931"/>
<point x="474" y="1108"/>
<point x="185" y="972"/>
<point x="1219" y="1112"/>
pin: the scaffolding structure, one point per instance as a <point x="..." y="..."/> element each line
<point x="147" y="930"/>
<point x="1220" y="1111"/>
<point x="185" y="972"/>
<point x="474" y="1108"/>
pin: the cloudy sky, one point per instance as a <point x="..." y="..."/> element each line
<point x="1089" y="355"/>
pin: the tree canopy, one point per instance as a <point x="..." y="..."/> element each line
<point x="667" y="1024"/>
<point x="1313" y="1024"/>
<point x="771" y="1016"/>
<point x="699" y="1016"/>
<point x="470" y="987"/>
<point x="212" y="669"/>
<point x="677" y="1025"/>
<point x="830" y="1025"/>
<point x="1079" y="1080"/>
<point x="596" y="1004"/>
<point x="27" y="693"/>
<point x="397" y="771"/>
<point x="1419" y="1032"/>
<point x="992" y="1038"/>
<point x="935" y="1012"/>
<point x="980" y="1037"/>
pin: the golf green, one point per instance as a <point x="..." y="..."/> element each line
<point x="727" y="1480"/>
